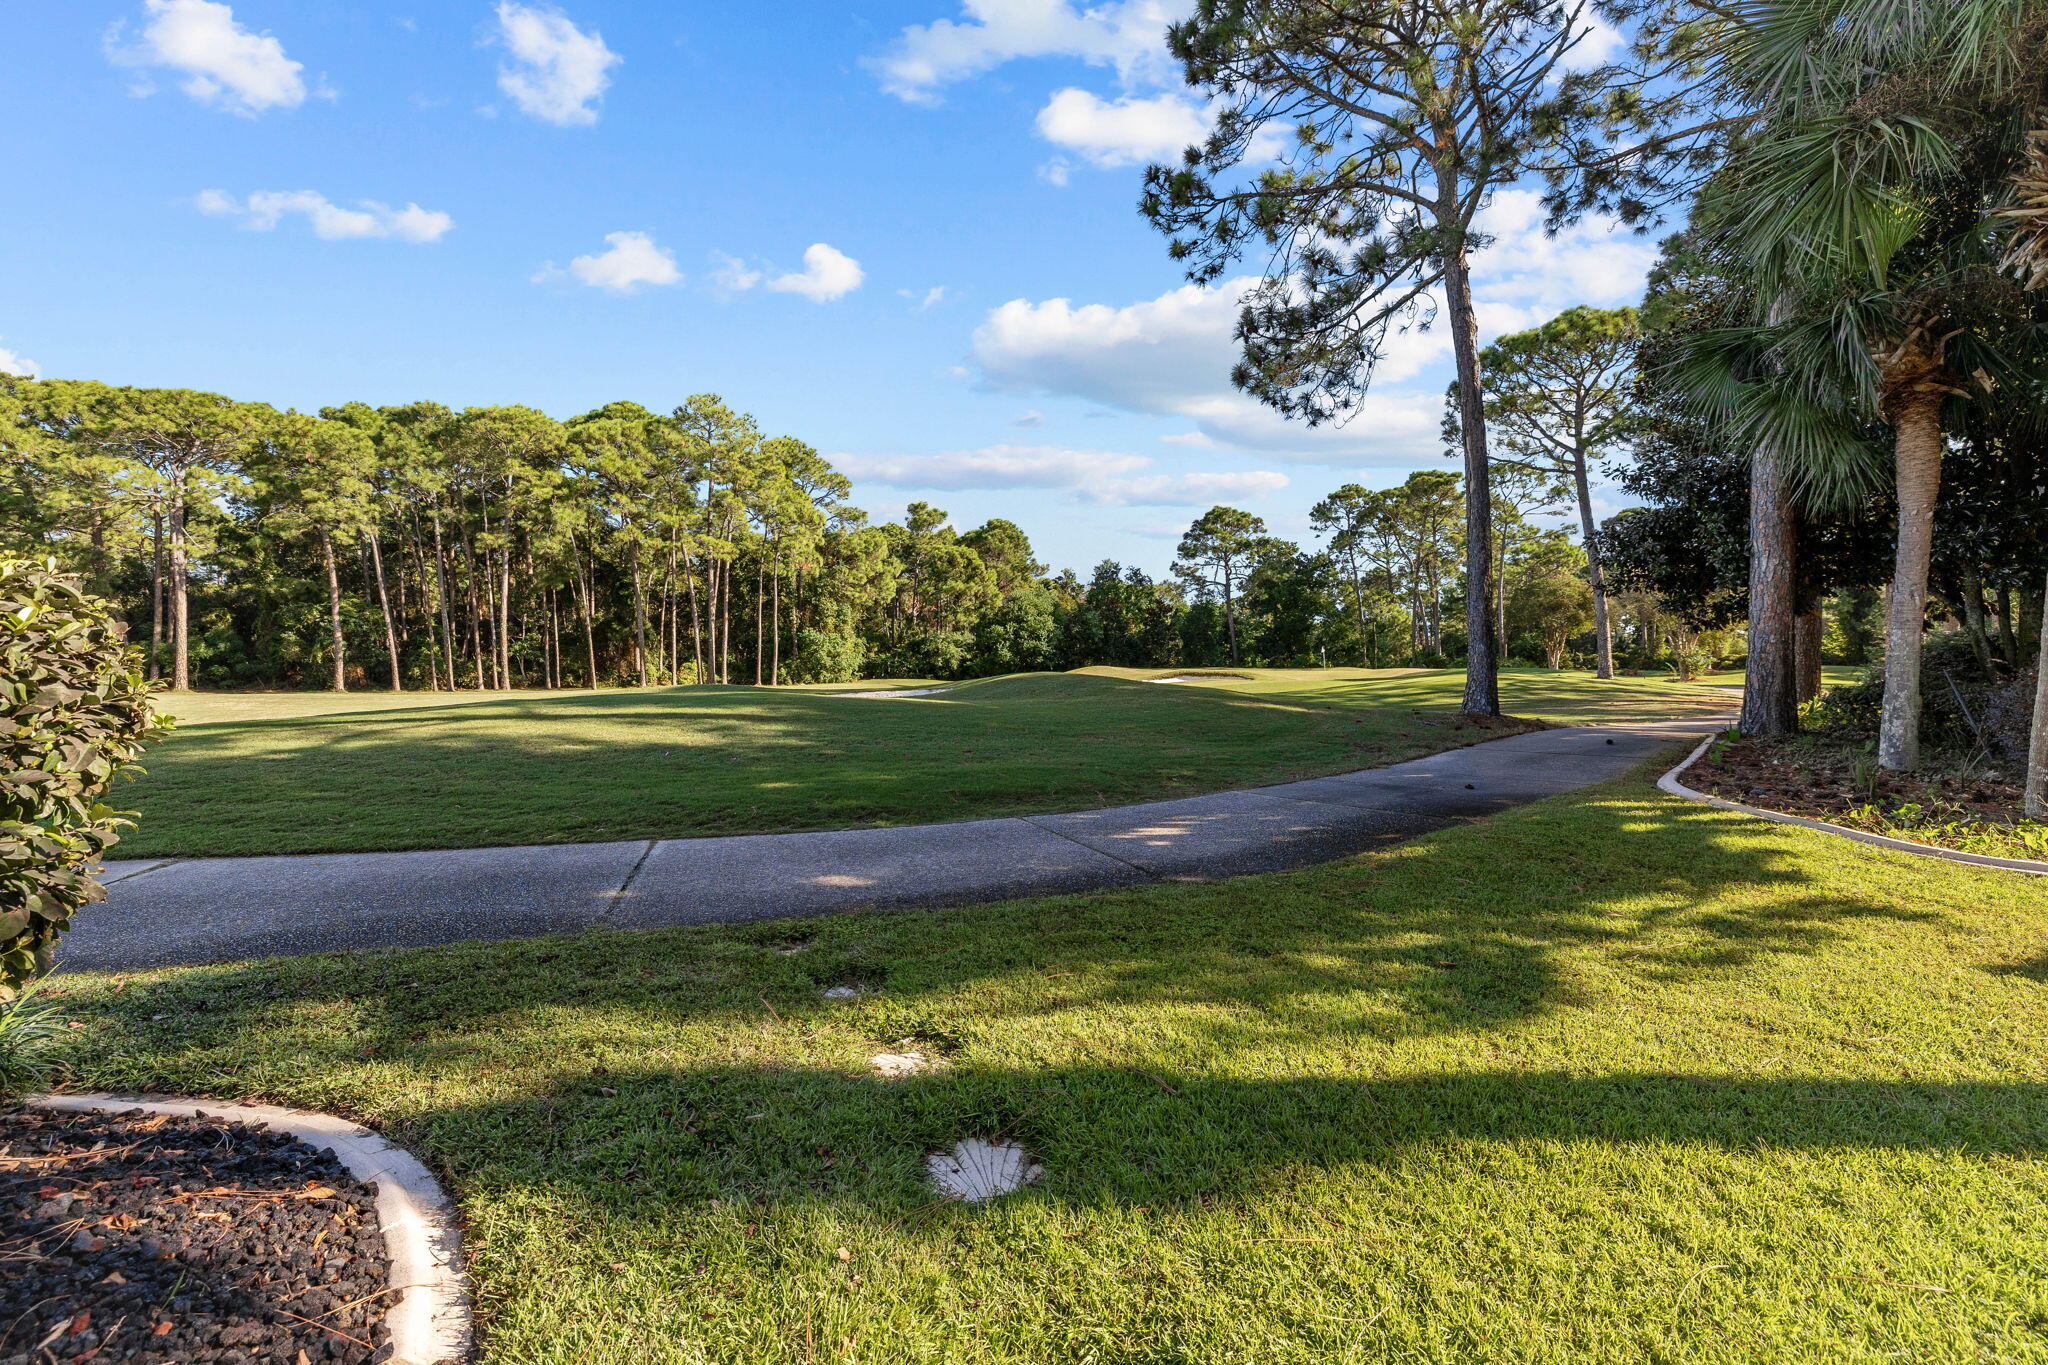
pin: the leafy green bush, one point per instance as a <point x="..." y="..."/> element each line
<point x="823" y="656"/>
<point x="75" y="713"/>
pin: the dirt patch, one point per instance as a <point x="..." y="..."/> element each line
<point x="1971" y="811"/>
<point x="149" y="1238"/>
<point x="1203" y="678"/>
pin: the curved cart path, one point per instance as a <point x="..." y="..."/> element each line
<point x="223" y="909"/>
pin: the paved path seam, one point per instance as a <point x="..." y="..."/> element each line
<point x="195" y="910"/>
<point x="1672" y="782"/>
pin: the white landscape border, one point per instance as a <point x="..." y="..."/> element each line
<point x="429" y="1316"/>
<point x="1670" y="783"/>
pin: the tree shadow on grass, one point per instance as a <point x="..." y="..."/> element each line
<point x="1463" y="932"/>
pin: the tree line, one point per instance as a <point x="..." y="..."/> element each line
<point x="419" y="547"/>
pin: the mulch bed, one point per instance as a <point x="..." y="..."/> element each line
<point x="1826" y="783"/>
<point x="135" y="1237"/>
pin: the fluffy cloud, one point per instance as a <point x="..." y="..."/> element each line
<point x="265" y="209"/>
<point x="1171" y="356"/>
<point x="1124" y="132"/>
<point x="223" y="64"/>
<point x="558" y="71"/>
<point x="1092" y="477"/>
<point x="828" y="274"/>
<point x="1128" y="35"/>
<point x="631" y="262"/>
<point x="1186" y="490"/>
<point x="13" y="363"/>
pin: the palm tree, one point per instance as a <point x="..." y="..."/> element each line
<point x="1855" y="203"/>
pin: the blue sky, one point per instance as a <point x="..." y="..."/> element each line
<point x="904" y="232"/>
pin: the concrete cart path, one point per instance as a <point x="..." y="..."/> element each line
<point x="224" y="909"/>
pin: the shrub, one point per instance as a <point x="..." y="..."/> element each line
<point x="75" y="713"/>
<point x="824" y="656"/>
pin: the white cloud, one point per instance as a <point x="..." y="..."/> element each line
<point x="1171" y="356"/>
<point x="1185" y="490"/>
<point x="1057" y="172"/>
<point x="1097" y="478"/>
<point x="925" y="299"/>
<point x="13" y="363"/>
<point x="733" y="275"/>
<point x="828" y="274"/>
<point x="632" y="261"/>
<point x="559" y="72"/>
<point x="1124" y="132"/>
<point x="223" y="64"/>
<point x="1128" y="35"/>
<point x="1194" y="440"/>
<point x="265" y="209"/>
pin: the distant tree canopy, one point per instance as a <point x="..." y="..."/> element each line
<point x="418" y="547"/>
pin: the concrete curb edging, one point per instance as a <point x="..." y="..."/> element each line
<point x="1670" y="783"/>
<point x="429" y="1316"/>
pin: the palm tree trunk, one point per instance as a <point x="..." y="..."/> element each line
<point x="1770" y="697"/>
<point x="1807" y="636"/>
<point x="1916" y="450"/>
<point x="1603" y="625"/>
<point x="2037" y="751"/>
<point x="337" y="656"/>
<point x="1482" y="650"/>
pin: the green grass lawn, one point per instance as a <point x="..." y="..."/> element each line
<point x="309" y="773"/>
<point x="1611" y="1078"/>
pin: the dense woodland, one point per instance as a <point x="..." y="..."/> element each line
<point x="418" y="547"/>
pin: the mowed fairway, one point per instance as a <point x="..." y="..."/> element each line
<point x="310" y="773"/>
<point x="1609" y="1079"/>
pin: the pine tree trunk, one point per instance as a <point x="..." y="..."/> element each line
<point x="775" y="609"/>
<point x="2037" y="751"/>
<point x="1230" y="615"/>
<point x="1482" y="650"/>
<point x="584" y="576"/>
<point x="639" y="619"/>
<point x="1770" y="698"/>
<point x="180" y="592"/>
<point x="384" y="601"/>
<point x="1916" y="449"/>
<point x="446" y="611"/>
<point x="696" y="619"/>
<point x="337" y="655"/>
<point x="760" y="602"/>
<point x="156" y="596"/>
<point x="1603" y="624"/>
<point x="505" y="615"/>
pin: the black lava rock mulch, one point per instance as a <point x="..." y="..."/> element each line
<point x="132" y="1237"/>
